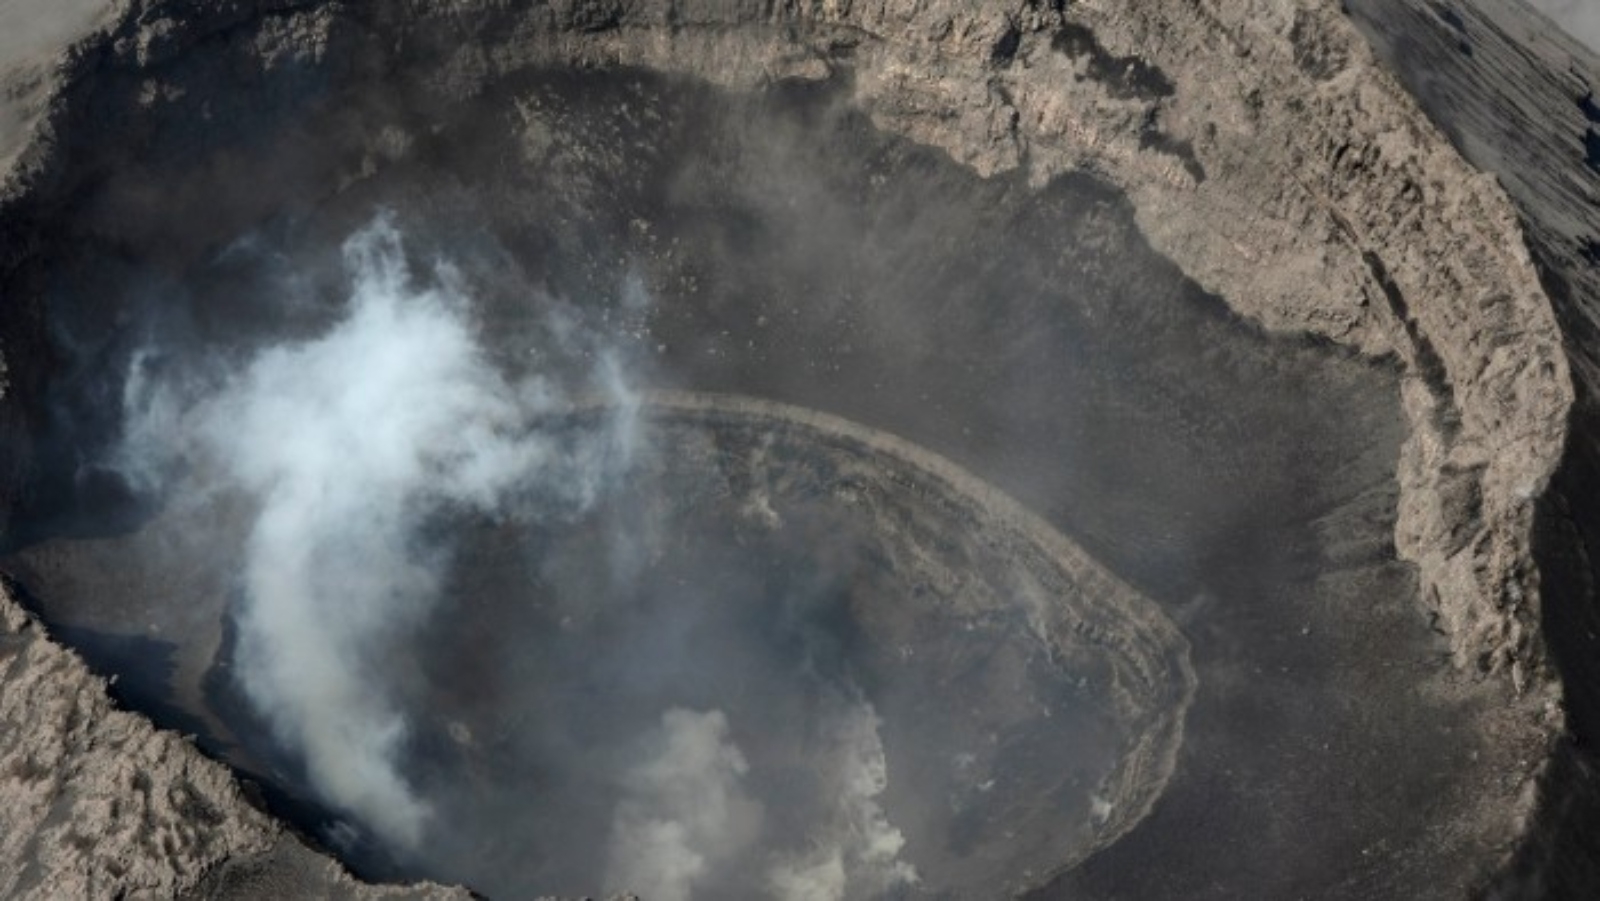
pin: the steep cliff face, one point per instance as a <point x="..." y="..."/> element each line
<point x="102" y="804"/>
<point x="1261" y="147"/>
<point x="1516" y="96"/>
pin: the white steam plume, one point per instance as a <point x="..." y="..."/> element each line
<point x="687" y="820"/>
<point x="856" y="854"/>
<point x="349" y="443"/>
<point x="684" y="812"/>
<point x="352" y="445"/>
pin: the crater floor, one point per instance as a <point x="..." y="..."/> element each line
<point x="1145" y="512"/>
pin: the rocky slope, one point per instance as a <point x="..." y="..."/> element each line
<point x="101" y="804"/>
<point x="1516" y="96"/>
<point x="1265" y="151"/>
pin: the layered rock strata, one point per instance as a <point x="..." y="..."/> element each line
<point x="1262" y="146"/>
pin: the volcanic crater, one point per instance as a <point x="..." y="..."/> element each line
<point x="809" y="511"/>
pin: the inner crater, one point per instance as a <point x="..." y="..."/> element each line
<point x="558" y="476"/>
<point x="758" y="649"/>
<point x="906" y="681"/>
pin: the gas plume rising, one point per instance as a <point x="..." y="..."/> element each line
<point x="685" y="811"/>
<point x="348" y="444"/>
<point x="688" y="821"/>
<point x="355" y="448"/>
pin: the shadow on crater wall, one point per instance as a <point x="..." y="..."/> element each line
<point x="794" y="253"/>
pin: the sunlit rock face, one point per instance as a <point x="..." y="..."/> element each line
<point x="721" y="457"/>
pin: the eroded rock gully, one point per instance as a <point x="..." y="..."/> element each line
<point x="1258" y="146"/>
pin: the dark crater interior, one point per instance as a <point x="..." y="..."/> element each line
<point x="774" y="245"/>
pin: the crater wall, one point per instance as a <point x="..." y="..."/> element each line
<point x="1260" y="145"/>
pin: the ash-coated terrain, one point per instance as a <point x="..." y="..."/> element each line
<point x="1281" y="315"/>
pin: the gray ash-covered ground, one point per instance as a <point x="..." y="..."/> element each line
<point x="789" y="250"/>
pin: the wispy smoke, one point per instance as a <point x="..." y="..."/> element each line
<point x="357" y="447"/>
<point x="685" y="812"/>
<point x="856" y="853"/>
<point x="687" y="819"/>
<point x="350" y="443"/>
